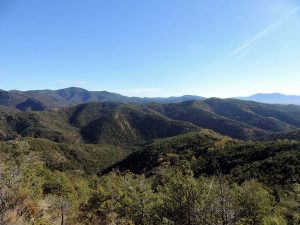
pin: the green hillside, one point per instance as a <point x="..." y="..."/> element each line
<point x="235" y="118"/>
<point x="293" y="135"/>
<point x="87" y="158"/>
<point x="113" y="123"/>
<point x="207" y="153"/>
<point x="166" y="180"/>
<point x="158" y="181"/>
<point x="125" y="163"/>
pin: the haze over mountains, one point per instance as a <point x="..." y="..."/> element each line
<point x="39" y="100"/>
<point x="274" y="98"/>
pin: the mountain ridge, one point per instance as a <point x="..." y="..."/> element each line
<point x="273" y="98"/>
<point x="39" y="100"/>
<point x="55" y="99"/>
<point x="131" y="123"/>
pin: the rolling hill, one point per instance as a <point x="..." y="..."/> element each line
<point x="150" y="142"/>
<point x="113" y="123"/>
<point x="235" y="118"/>
<point x="208" y="153"/>
<point x="130" y="123"/>
<point x="293" y="135"/>
<point x="87" y="158"/>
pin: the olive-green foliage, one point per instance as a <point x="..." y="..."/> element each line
<point x="90" y="158"/>
<point x="177" y="197"/>
<point x="255" y="202"/>
<point x="20" y="190"/>
<point x="58" y="184"/>
<point x="171" y="195"/>
<point x="187" y="200"/>
<point x="290" y="202"/>
<point x="131" y="124"/>
<point x="273" y="163"/>
<point x="293" y="135"/>
<point x="169" y="151"/>
<point x="110" y="123"/>
<point x="33" y="194"/>
<point x="121" y="199"/>
<point x="238" y="119"/>
<point x="195" y="178"/>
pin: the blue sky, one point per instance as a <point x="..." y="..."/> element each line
<point x="219" y="48"/>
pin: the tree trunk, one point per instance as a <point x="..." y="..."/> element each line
<point x="62" y="217"/>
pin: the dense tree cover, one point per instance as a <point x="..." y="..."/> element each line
<point x="200" y="114"/>
<point x="273" y="163"/>
<point x="88" y="158"/>
<point x="132" y="124"/>
<point x="176" y="197"/>
<point x="170" y="196"/>
<point x="33" y="193"/>
<point x="198" y="178"/>
<point x="20" y="189"/>
<point x="111" y="123"/>
<point x="235" y="118"/>
<point x="293" y="135"/>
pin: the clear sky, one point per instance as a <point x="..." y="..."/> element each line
<point x="219" y="48"/>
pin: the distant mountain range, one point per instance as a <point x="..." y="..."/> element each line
<point x="40" y="100"/>
<point x="273" y="98"/>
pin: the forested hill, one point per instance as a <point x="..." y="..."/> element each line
<point x="168" y="181"/>
<point x="39" y="100"/>
<point x="207" y="153"/>
<point x="113" y="123"/>
<point x="143" y="164"/>
<point x="235" y="118"/>
<point x="212" y="161"/>
<point x="130" y="123"/>
<point x="293" y="135"/>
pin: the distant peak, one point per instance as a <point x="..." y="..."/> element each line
<point x="72" y="88"/>
<point x="265" y="94"/>
<point x="273" y="98"/>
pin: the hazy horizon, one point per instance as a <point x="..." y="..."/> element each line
<point x="187" y="94"/>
